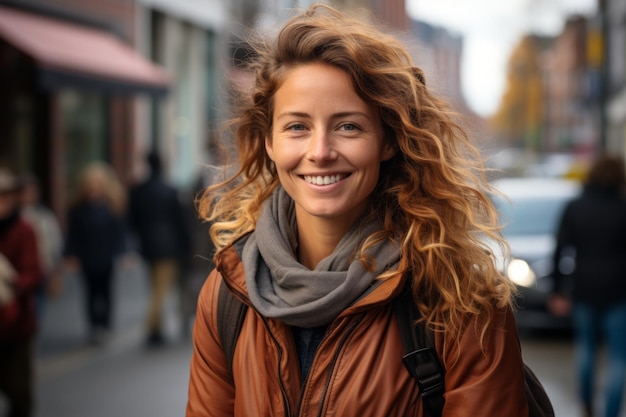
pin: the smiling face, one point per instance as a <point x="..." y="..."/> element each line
<point x="327" y="144"/>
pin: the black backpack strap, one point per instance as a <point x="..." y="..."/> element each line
<point x="421" y="358"/>
<point x="230" y="314"/>
<point x="539" y="404"/>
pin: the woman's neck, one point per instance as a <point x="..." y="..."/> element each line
<point x="317" y="240"/>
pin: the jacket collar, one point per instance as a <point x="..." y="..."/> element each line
<point x="228" y="263"/>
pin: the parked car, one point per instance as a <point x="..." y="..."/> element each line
<point x="530" y="215"/>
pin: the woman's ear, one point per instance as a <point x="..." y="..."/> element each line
<point x="268" y="147"/>
<point x="389" y="150"/>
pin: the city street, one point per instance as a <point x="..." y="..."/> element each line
<point x="114" y="112"/>
<point x="124" y="378"/>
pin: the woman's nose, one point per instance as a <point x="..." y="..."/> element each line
<point x="321" y="147"/>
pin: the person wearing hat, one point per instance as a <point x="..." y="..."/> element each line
<point x="20" y="278"/>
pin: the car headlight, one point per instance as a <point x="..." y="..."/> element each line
<point x="521" y="273"/>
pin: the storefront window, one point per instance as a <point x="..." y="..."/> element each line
<point x="84" y="121"/>
<point x="24" y="133"/>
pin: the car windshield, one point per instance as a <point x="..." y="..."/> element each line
<point x="530" y="216"/>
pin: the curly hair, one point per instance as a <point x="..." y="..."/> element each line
<point x="432" y="196"/>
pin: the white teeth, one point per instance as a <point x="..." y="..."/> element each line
<point x="322" y="180"/>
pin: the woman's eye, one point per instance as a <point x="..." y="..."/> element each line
<point x="349" y="127"/>
<point x="296" y="127"/>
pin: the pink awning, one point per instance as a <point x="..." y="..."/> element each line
<point x="71" y="54"/>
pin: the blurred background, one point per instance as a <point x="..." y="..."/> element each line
<point x="112" y="79"/>
<point x="541" y="85"/>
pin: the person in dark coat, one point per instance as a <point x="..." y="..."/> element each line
<point x="593" y="226"/>
<point x="20" y="279"/>
<point x="95" y="239"/>
<point x="157" y="218"/>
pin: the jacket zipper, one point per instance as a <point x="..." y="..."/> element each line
<point x="283" y="391"/>
<point x="280" y="379"/>
<point x="347" y="335"/>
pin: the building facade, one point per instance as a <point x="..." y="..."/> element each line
<point x="69" y="74"/>
<point x="614" y="16"/>
<point x="188" y="39"/>
<point x="108" y="80"/>
<point x="570" y="114"/>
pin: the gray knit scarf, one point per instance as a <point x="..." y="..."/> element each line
<point x="282" y="288"/>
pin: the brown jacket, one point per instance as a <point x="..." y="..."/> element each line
<point x="357" y="370"/>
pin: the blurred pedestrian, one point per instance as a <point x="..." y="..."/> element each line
<point x="157" y="218"/>
<point x="96" y="237"/>
<point x="355" y="183"/>
<point x="49" y="236"/>
<point x="20" y="279"/>
<point x="593" y="227"/>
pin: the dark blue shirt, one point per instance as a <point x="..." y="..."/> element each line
<point x="307" y="341"/>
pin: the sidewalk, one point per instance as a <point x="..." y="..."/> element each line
<point x="63" y="326"/>
<point x="121" y="377"/>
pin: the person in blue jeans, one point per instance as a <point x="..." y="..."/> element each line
<point x="594" y="226"/>
<point x="610" y="322"/>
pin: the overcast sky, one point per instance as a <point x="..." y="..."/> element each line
<point x="491" y="28"/>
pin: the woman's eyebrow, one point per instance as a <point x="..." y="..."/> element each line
<point x="333" y="116"/>
<point x="292" y="114"/>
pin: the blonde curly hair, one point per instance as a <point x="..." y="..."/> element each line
<point x="432" y="196"/>
<point x="103" y="178"/>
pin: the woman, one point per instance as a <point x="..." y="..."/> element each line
<point x="95" y="238"/>
<point x="354" y="181"/>
<point x="594" y="226"/>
